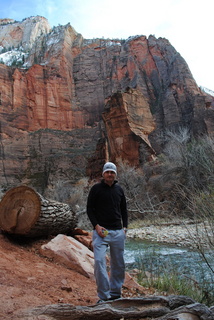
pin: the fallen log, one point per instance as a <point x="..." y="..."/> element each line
<point x="152" y="307"/>
<point x="23" y="211"/>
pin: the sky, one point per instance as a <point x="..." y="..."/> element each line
<point x="187" y="24"/>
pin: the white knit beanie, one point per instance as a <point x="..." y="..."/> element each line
<point x="109" y="166"/>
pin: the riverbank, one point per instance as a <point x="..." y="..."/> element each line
<point x="185" y="234"/>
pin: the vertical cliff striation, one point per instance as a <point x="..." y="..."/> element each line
<point x="67" y="103"/>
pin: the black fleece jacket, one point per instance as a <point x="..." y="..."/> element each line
<point x="106" y="206"/>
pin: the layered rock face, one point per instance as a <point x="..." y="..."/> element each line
<point x="22" y="34"/>
<point x="75" y="103"/>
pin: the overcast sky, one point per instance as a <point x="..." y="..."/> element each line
<point x="187" y="24"/>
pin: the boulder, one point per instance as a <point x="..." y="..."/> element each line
<point x="71" y="253"/>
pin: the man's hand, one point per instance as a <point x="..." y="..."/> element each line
<point x="101" y="231"/>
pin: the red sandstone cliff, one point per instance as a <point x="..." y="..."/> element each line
<point x="70" y="103"/>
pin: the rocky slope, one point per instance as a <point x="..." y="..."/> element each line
<point x="31" y="281"/>
<point x="67" y="104"/>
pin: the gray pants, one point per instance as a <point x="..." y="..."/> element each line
<point x="109" y="286"/>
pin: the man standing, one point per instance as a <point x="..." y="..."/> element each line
<point x="106" y="209"/>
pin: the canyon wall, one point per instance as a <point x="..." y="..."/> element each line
<point x="69" y="103"/>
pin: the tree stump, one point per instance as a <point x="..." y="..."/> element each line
<point x="23" y="211"/>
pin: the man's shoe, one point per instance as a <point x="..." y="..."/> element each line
<point x="100" y="301"/>
<point x="114" y="297"/>
<point x="109" y="299"/>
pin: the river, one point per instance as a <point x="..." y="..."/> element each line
<point x="156" y="258"/>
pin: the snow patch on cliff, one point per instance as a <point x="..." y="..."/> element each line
<point x="210" y="92"/>
<point x="103" y="42"/>
<point x="14" y="57"/>
<point x="52" y="41"/>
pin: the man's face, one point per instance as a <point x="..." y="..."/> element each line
<point x="109" y="177"/>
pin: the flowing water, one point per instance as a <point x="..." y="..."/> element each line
<point x="157" y="258"/>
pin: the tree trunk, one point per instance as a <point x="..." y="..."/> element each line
<point x="23" y="211"/>
<point x="153" y="307"/>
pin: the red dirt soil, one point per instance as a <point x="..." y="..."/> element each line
<point x="27" y="279"/>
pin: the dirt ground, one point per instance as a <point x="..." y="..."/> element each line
<point x="27" y="279"/>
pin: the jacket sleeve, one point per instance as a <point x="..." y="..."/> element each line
<point x="124" y="213"/>
<point x="91" y="207"/>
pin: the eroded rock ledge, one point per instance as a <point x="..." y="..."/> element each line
<point x="159" y="308"/>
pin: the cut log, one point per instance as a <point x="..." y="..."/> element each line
<point x="23" y="211"/>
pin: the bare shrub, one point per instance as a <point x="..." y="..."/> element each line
<point x="186" y="164"/>
<point x="78" y="200"/>
<point x="141" y="202"/>
<point x="75" y="195"/>
<point x="201" y="206"/>
<point x="201" y="234"/>
<point x="191" y="159"/>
